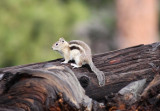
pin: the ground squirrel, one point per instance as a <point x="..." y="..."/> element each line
<point x="80" y="52"/>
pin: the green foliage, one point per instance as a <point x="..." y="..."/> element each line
<point x="28" y="28"/>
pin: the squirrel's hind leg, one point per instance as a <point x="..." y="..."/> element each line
<point x="75" y="65"/>
<point x="78" y="62"/>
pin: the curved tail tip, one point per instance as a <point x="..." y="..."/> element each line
<point x="102" y="83"/>
<point x="102" y="79"/>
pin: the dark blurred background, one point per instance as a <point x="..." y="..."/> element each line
<point x="28" y="28"/>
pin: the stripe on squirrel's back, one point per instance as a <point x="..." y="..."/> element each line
<point x="73" y="42"/>
<point x="74" y="47"/>
<point x="82" y="45"/>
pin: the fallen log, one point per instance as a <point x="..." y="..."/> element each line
<point x="121" y="68"/>
<point x="43" y="90"/>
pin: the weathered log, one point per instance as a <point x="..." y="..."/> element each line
<point x="153" y="88"/>
<point x="121" y="67"/>
<point x="43" y="90"/>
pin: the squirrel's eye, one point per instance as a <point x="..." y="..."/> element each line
<point x="56" y="44"/>
<point x="63" y="41"/>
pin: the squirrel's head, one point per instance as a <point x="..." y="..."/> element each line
<point x="59" y="45"/>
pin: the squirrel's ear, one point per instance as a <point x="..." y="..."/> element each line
<point x="60" y="39"/>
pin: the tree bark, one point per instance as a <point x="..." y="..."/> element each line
<point x="121" y="67"/>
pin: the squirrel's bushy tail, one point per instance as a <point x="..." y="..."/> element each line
<point x="100" y="75"/>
